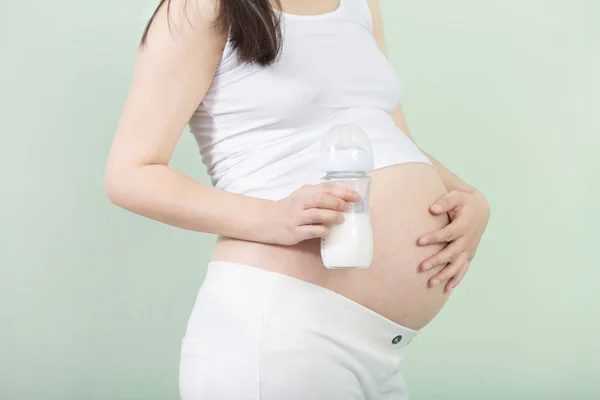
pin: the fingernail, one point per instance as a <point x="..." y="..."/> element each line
<point x="426" y="267"/>
<point x="348" y="207"/>
<point x="436" y="207"/>
<point x="435" y="283"/>
<point x="423" y="241"/>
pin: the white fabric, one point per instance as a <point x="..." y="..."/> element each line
<point x="260" y="335"/>
<point x="258" y="129"/>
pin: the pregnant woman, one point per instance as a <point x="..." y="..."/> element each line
<point x="260" y="83"/>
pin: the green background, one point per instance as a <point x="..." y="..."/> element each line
<point x="94" y="300"/>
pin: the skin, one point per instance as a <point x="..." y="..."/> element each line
<point x="172" y="75"/>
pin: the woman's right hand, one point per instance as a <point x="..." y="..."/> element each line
<point x="308" y="213"/>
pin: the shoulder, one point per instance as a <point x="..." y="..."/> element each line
<point x="182" y="42"/>
<point x="191" y="20"/>
<point x="192" y="10"/>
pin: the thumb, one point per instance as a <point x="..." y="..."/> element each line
<point x="449" y="201"/>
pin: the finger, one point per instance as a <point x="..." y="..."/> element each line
<point x="444" y="235"/>
<point x="323" y="200"/>
<point x="306" y="232"/>
<point x="449" y="271"/>
<point x="449" y="201"/>
<point x="343" y="193"/>
<point x="321" y="216"/>
<point x="456" y="279"/>
<point x="445" y="256"/>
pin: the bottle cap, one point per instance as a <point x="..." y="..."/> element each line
<point x="346" y="148"/>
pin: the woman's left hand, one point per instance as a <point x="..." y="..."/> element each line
<point x="469" y="213"/>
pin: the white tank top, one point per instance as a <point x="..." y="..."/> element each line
<point x="259" y="128"/>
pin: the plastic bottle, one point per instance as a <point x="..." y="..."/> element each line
<point x="346" y="158"/>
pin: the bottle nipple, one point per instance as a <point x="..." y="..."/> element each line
<point x="346" y="148"/>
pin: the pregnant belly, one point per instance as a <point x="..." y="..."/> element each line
<point x="393" y="286"/>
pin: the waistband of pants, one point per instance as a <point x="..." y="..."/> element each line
<point x="247" y="286"/>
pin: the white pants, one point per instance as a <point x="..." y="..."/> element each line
<point x="259" y="335"/>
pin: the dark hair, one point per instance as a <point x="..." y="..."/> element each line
<point x="253" y="28"/>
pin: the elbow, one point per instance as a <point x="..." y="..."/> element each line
<point x="113" y="189"/>
<point x="116" y="186"/>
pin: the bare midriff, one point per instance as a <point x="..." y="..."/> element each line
<point x="394" y="286"/>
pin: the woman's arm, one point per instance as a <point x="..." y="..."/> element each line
<point x="172" y="75"/>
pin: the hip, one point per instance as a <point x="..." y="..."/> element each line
<point x="280" y="337"/>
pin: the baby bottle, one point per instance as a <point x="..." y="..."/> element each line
<point x="347" y="157"/>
